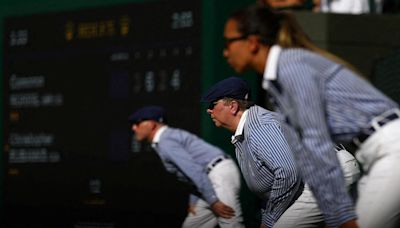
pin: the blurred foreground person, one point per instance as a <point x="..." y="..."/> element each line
<point x="327" y="103"/>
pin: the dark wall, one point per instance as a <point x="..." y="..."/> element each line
<point x="370" y="42"/>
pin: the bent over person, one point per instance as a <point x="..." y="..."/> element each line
<point x="214" y="175"/>
<point x="326" y="103"/>
<point x="265" y="158"/>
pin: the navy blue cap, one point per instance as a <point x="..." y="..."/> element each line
<point x="232" y="87"/>
<point x="156" y="113"/>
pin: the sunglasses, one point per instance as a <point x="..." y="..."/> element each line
<point x="229" y="41"/>
<point x="212" y="104"/>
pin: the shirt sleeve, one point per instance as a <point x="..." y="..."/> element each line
<point x="192" y="170"/>
<point x="272" y="150"/>
<point x="193" y="199"/>
<point x="316" y="156"/>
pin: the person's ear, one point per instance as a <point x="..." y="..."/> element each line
<point x="234" y="107"/>
<point x="153" y="125"/>
<point x="254" y="43"/>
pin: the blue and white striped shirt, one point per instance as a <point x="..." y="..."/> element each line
<point x="325" y="103"/>
<point x="266" y="162"/>
<point x="187" y="156"/>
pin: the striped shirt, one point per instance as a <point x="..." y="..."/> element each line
<point x="325" y="103"/>
<point x="266" y="162"/>
<point x="187" y="156"/>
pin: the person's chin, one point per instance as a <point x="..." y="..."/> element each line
<point x="236" y="69"/>
<point x="217" y="124"/>
<point x="139" y="138"/>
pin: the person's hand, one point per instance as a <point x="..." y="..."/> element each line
<point x="191" y="209"/>
<point x="222" y="210"/>
<point x="349" y="224"/>
<point x="262" y="226"/>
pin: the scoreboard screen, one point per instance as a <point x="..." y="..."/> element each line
<point x="71" y="79"/>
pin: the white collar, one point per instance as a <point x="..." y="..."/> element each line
<point x="240" y="127"/>
<point x="271" y="66"/>
<point x="158" y="134"/>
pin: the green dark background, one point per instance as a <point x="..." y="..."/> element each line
<point x="213" y="65"/>
<point x="370" y="42"/>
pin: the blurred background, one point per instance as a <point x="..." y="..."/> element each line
<point x="72" y="71"/>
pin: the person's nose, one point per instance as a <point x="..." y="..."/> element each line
<point x="209" y="111"/>
<point x="225" y="52"/>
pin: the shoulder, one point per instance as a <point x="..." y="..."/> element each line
<point x="172" y="132"/>
<point x="263" y="121"/>
<point x="177" y="135"/>
<point x="297" y="54"/>
<point x="261" y="116"/>
<point x="299" y="66"/>
<point x="300" y="58"/>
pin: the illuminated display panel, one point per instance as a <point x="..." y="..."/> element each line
<point x="71" y="79"/>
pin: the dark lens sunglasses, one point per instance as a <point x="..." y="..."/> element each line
<point x="228" y="41"/>
<point x="212" y="104"/>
